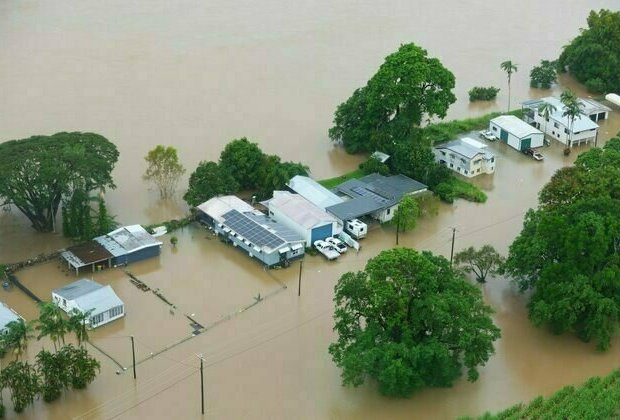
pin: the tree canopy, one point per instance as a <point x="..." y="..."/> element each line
<point x="207" y="181"/>
<point x="593" y="57"/>
<point x="242" y="159"/>
<point x="481" y="262"/>
<point x="409" y="321"/>
<point x="408" y="87"/>
<point x="39" y="171"/>
<point x="274" y="174"/>
<point x="567" y="252"/>
<point x="164" y="169"/>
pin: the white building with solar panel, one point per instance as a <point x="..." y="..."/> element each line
<point x="311" y="222"/>
<point x="261" y="237"/>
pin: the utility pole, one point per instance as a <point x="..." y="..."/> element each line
<point x="301" y="265"/>
<point x="452" y="250"/>
<point x="133" y="353"/>
<point x="202" y="385"/>
<point x="397" y="224"/>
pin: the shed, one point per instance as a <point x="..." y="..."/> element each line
<point x="313" y="192"/>
<point x="297" y="213"/>
<point x="87" y="295"/>
<point x="516" y="133"/>
<point x="7" y="315"/>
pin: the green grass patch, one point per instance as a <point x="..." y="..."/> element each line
<point x="448" y="191"/>
<point x="449" y="130"/>
<point x="332" y="182"/>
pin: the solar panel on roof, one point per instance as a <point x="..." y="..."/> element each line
<point x="251" y="230"/>
<point x="367" y="193"/>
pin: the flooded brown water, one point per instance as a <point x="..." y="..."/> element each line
<point x="197" y="74"/>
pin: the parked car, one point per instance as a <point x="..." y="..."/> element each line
<point x="487" y="134"/>
<point x="534" y="154"/>
<point x="326" y="249"/>
<point x="337" y="243"/>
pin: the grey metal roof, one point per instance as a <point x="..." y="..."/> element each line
<point x="259" y="230"/>
<point x="298" y="209"/>
<point x="77" y="289"/>
<point x="98" y="301"/>
<point x="126" y="240"/>
<point x="313" y="191"/>
<point x="581" y="123"/>
<point x="6" y="315"/>
<point x="354" y="208"/>
<point x="462" y="148"/>
<point x="283" y="231"/>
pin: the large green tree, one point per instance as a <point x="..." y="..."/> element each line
<point x="164" y="170"/>
<point x="593" y="57"/>
<point x="274" y="174"/>
<point x="408" y="88"/>
<point x="409" y="321"/>
<point x="406" y="215"/>
<point x="207" y="181"/>
<point x="567" y="252"/>
<point x="39" y="171"/>
<point x="481" y="262"/>
<point x="242" y="159"/>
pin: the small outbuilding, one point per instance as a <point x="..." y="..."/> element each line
<point x="466" y="156"/>
<point x="314" y="192"/>
<point x="87" y="295"/>
<point x="241" y="225"/>
<point x="516" y="133"/>
<point x="7" y="315"/>
<point x="297" y="213"/>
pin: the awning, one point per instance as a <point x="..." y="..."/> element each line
<point x="284" y="250"/>
<point x="297" y="246"/>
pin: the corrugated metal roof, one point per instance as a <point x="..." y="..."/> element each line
<point x="6" y="315"/>
<point x="216" y="207"/>
<point x="515" y="126"/>
<point x="299" y="210"/>
<point x="99" y="301"/>
<point x="354" y="208"/>
<point x="313" y="191"/>
<point x="77" y="289"/>
<point x="463" y="149"/>
<point x="581" y="123"/>
<point x="127" y="239"/>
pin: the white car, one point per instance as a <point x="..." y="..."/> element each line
<point x="337" y="243"/>
<point x="487" y="134"/>
<point x="326" y="249"/>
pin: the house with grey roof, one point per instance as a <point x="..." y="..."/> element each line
<point x="244" y="227"/>
<point x="7" y="315"/>
<point x="89" y="296"/>
<point x="373" y="195"/>
<point x="582" y="130"/>
<point x="122" y="246"/>
<point x="466" y="156"/>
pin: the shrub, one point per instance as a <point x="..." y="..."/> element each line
<point x="479" y="93"/>
<point x="544" y="75"/>
<point x="374" y="165"/>
<point x="596" y="85"/>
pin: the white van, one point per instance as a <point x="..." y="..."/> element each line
<point x="356" y="228"/>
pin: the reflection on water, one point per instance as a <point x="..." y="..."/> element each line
<point x="196" y="75"/>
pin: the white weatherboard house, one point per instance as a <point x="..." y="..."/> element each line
<point x="466" y="156"/>
<point x="294" y="211"/>
<point x="7" y="315"/>
<point x="87" y="295"/>
<point x="516" y="133"/>
<point x="584" y="129"/>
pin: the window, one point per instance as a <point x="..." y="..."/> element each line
<point x="451" y="165"/>
<point x="492" y="159"/>
<point x="388" y="211"/>
<point x="443" y="153"/>
<point x="478" y="171"/>
<point x="94" y="320"/>
<point x="117" y="310"/>
<point x="463" y="160"/>
<point x="566" y="131"/>
<point x="465" y="171"/>
<point x="556" y="125"/>
<point x="64" y="302"/>
<point x="452" y="155"/>
<point x="476" y="162"/>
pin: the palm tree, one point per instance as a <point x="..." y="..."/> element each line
<point x="546" y="109"/>
<point x="16" y="336"/>
<point x="77" y="324"/>
<point x="52" y="323"/>
<point x="572" y="110"/>
<point x="509" y="67"/>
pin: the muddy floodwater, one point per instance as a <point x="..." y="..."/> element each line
<point x="196" y="74"/>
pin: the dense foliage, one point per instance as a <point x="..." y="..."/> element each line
<point x="164" y="169"/>
<point x="596" y="399"/>
<point x="479" y="93"/>
<point x="374" y="166"/>
<point x="543" y="75"/>
<point x="79" y="219"/>
<point x="409" y="321"/>
<point x="593" y="57"/>
<point x="567" y="252"/>
<point x="243" y="165"/>
<point x="38" y="172"/>
<point x="408" y="88"/>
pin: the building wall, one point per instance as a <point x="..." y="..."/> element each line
<point x="515" y="142"/>
<point x="69" y="305"/>
<point x="465" y="166"/>
<point x="140" y="255"/>
<point x="106" y="317"/>
<point x="306" y="233"/>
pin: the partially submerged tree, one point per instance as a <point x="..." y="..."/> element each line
<point x="274" y="174"/>
<point x="567" y="252"/>
<point x="243" y="160"/>
<point x="82" y="367"/>
<point x="16" y="337"/>
<point x="481" y="262"/>
<point x="543" y="75"/>
<point x="409" y="321"/>
<point x="52" y="323"/>
<point x="572" y="110"/>
<point x="39" y="171"/>
<point x="23" y="381"/>
<point x="164" y="170"/>
<point x="207" y="181"/>
<point x="406" y="215"/>
<point x="509" y="67"/>
<point x="77" y="324"/>
<point x="408" y="88"/>
<point x="53" y="369"/>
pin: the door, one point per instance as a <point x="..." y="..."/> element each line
<point x="503" y="135"/>
<point x="526" y="144"/>
<point x="321" y="232"/>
